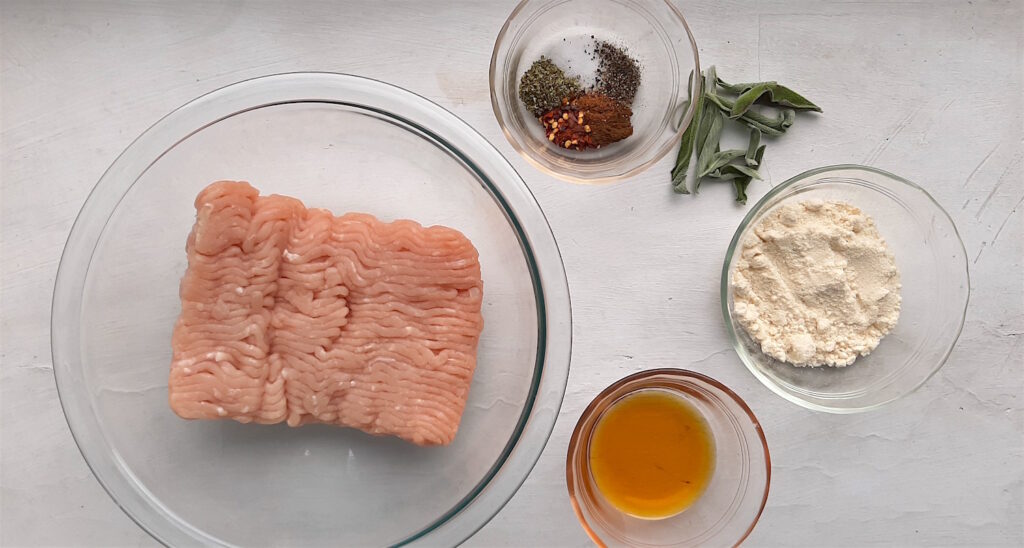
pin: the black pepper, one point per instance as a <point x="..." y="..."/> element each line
<point x="618" y="74"/>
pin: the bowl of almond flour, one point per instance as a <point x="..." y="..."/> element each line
<point x="845" y="288"/>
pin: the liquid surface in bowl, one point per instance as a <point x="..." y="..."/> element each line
<point x="652" y="454"/>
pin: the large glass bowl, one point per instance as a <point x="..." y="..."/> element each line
<point x="933" y="271"/>
<point x="729" y="508"/>
<point x="347" y="144"/>
<point x="652" y="31"/>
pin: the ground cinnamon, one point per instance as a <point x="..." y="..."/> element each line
<point x="604" y="119"/>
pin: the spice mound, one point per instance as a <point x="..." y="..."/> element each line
<point x="544" y="86"/>
<point x="590" y="120"/>
<point x="618" y="74"/>
<point x="564" y="126"/>
<point x="816" y="284"/>
<point x="577" y="119"/>
<point x="607" y="118"/>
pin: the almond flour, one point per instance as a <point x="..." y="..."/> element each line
<point x="816" y="284"/>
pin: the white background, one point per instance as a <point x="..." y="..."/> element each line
<point x="930" y="90"/>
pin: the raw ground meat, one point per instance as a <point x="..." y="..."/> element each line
<point x="294" y="315"/>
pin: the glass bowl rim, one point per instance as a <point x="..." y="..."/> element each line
<point x="643" y="379"/>
<point x="410" y="111"/>
<point x="685" y="121"/>
<point x="819" y="172"/>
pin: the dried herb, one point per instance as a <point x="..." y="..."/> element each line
<point x="544" y="86"/>
<point x="618" y="74"/>
<point x="704" y="133"/>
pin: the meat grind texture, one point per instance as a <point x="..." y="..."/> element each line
<point x="294" y="315"/>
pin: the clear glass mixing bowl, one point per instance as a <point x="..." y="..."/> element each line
<point x="652" y="31"/>
<point x="933" y="271"/>
<point x="347" y="144"/>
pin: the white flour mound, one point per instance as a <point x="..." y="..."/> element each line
<point x="816" y="284"/>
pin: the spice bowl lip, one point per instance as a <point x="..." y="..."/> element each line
<point x="809" y="178"/>
<point x="615" y="169"/>
<point x="672" y="380"/>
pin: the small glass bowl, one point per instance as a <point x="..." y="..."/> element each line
<point x="652" y="31"/>
<point x="732" y="503"/>
<point x="935" y="287"/>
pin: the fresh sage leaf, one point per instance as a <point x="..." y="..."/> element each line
<point x="706" y="119"/>
<point x="755" y="141"/>
<point x="710" y="144"/>
<point x="752" y="118"/>
<point x="710" y="80"/>
<point x="738" y="89"/>
<point x="784" y="97"/>
<point x="718" y="160"/>
<point x="685" y="152"/>
<point x="765" y="129"/>
<point x="702" y="139"/>
<point x="779" y="96"/>
<point x="682" y="167"/>
<point x="747" y="98"/>
<point x="740" y="184"/>
<point x="740" y="171"/>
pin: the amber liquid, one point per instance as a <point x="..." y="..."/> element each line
<point x="652" y="454"/>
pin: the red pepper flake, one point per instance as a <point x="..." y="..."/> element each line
<point x="565" y="127"/>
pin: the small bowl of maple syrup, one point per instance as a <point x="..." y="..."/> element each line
<point x="668" y="457"/>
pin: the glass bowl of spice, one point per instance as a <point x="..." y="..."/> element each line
<point x="668" y="457"/>
<point x="845" y="288"/>
<point x="593" y="91"/>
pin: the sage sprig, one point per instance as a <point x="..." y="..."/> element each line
<point x="778" y="95"/>
<point x="682" y="166"/>
<point x="702" y="137"/>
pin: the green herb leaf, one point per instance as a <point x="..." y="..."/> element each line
<point x="752" y="118"/>
<point x="784" y="97"/>
<point x="739" y="171"/>
<point x="777" y="95"/>
<point x="717" y="160"/>
<point x="755" y="140"/>
<point x="682" y="166"/>
<point x="747" y="98"/>
<point x="740" y="184"/>
<point x="707" y="147"/>
<point x="710" y="80"/>
<point x="738" y="89"/>
<point x="705" y="130"/>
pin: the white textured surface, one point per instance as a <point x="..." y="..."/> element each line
<point x="930" y="90"/>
